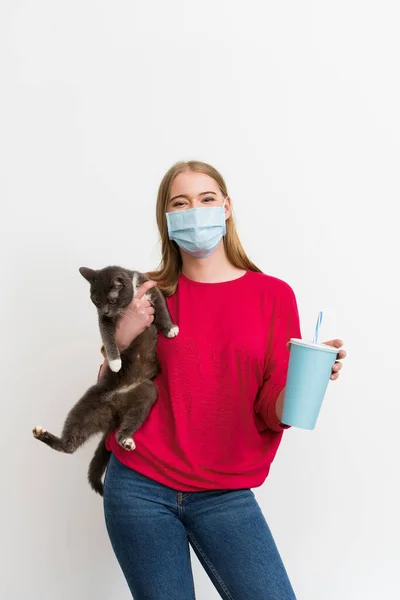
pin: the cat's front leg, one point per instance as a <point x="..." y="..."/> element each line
<point x="107" y="331"/>
<point x="162" y="318"/>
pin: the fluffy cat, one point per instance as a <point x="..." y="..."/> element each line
<point x="125" y="393"/>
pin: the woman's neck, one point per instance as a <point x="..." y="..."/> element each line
<point x="212" y="269"/>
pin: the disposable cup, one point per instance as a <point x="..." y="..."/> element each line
<point x="309" y="371"/>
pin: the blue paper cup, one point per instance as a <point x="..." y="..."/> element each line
<point x="310" y="368"/>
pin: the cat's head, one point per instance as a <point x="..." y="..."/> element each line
<point x="111" y="289"/>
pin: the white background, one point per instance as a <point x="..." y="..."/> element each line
<point x="297" y="103"/>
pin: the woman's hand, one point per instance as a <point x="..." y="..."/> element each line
<point x="340" y="355"/>
<point x="137" y="316"/>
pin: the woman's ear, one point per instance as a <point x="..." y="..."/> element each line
<point x="227" y="206"/>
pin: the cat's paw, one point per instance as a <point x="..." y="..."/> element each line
<point x="173" y="332"/>
<point x="127" y="443"/>
<point x="115" y="365"/>
<point x="38" y="432"/>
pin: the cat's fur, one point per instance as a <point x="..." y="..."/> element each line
<point x="125" y="393"/>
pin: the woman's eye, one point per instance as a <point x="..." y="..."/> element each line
<point x="208" y="199"/>
<point x="178" y="204"/>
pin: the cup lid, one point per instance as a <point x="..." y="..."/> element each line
<point x="299" y="342"/>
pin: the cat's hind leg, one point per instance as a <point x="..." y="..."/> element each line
<point x="137" y="406"/>
<point x="90" y="415"/>
<point x="48" y="438"/>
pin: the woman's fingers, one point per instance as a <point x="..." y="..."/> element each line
<point x="140" y="304"/>
<point x="136" y="317"/>
<point x="336" y="343"/>
<point x="144" y="288"/>
<point x="144" y="310"/>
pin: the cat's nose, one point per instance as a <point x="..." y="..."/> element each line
<point x="105" y="310"/>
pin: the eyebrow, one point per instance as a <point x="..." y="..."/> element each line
<point x="187" y="197"/>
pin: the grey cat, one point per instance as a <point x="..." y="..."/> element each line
<point x="125" y="393"/>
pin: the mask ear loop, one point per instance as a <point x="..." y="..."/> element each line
<point x="223" y="207"/>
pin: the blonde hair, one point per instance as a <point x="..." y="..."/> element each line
<point x="170" y="267"/>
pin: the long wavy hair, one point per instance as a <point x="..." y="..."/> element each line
<point x="170" y="266"/>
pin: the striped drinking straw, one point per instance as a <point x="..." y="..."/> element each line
<point x="318" y="325"/>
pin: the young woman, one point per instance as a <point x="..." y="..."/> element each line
<point x="215" y="428"/>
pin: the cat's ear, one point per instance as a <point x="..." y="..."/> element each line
<point x="118" y="282"/>
<point x="88" y="274"/>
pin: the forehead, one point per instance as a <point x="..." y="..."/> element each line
<point x="99" y="288"/>
<point x="193" y="184"/>
<point x="101" y="283"/>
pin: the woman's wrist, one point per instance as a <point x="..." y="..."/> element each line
<point x="279" y="404"/>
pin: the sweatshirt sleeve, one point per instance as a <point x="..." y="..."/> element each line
<point x="285" y="325"/>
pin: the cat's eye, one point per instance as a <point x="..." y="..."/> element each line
<point x="112" y="301"/>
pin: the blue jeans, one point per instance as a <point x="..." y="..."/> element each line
<point x="151" y="526"/>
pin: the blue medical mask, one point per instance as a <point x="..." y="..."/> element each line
<point x="198" y="231"/>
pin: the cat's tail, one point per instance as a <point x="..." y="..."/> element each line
<point x="98" y="465"/>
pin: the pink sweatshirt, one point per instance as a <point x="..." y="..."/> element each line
<point x="214" y="424"/>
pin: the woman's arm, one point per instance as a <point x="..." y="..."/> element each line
<point x="101" y="370"/>
<point x="279" y="405"/>
<point x="285" y="325"/>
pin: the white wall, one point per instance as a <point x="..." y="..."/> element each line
<point x="297" y="104"/>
